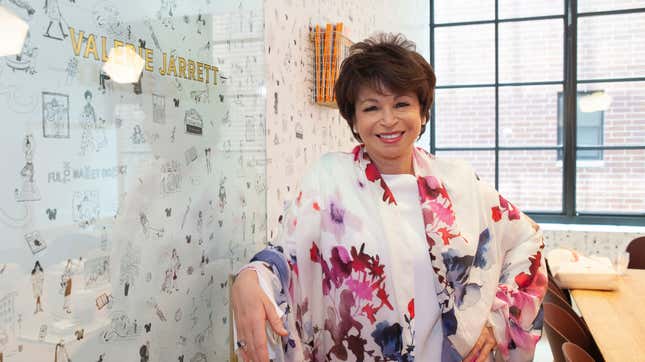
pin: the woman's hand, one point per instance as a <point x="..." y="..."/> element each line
<point x="252" y="308"/>
<point x="483" y="347"/>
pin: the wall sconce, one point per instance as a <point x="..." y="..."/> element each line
<point x="13" y="32"/>
<point x="124" y="65"/>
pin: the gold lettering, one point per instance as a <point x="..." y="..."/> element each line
<point x="149" y="60"/>
<point x="76" y="42"/>
<point x="191" y="69"/>
<point x="91" y="47"/>
<point x="208" y="72"/>
<point x="131" y="46"/>
<point x="171" y="66"/>
<point x="162" y="69"/>
<point x="182" y="67"/>
<point x="104" y="51"/>
<point x="118" y="43"/>
<point x="200" y="71"/>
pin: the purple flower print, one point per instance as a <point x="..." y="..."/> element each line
<point x="336" y="219"/>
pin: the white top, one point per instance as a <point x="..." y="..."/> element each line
<point x="414" y="260"/>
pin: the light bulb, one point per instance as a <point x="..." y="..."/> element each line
<point x="124" y="65"/>
<point x="13" y="32"/>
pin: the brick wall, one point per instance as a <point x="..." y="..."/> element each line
<point x="611" y="46"/>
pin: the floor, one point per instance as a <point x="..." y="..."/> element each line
<point x="543" y="351"/>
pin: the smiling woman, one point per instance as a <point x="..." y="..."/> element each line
<point x="389" y="252"/>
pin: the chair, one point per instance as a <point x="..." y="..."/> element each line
<point x="553" y="285"/>
<point x="554" y="297"/>
<point x="636" y="250"/>
<point x="563" y="325"/>
<point x="573" y="353"/>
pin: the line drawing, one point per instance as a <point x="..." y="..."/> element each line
<point x="121" y="327"/>
<point x="129" y="267"/>
<point x="171" y="179"/>
<point x="194" y="122"/>
<point x="93" y="137"/>
<point x="52" y="9"/>
<point x="28" y="190"/>
<point x="137" y="136"/>
<point x="97" y="271"/>
<point x="25" y="61"/>
<point x="66" y="286"/>
<point x="71" y="69"/>
<point x="108" y="18"/>
<point x="55" y="115"/>
<point x="37" y="281"/>
<point x="18" y="101"/>
<point x="85" y="207"/>
<point x="148" y="230"/>
<point x="190" y="155"/>
<point x="158" y="109"/>
<point x="25" y="6"/>
<point x="35" y="242"/>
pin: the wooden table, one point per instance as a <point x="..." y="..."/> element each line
<point x="616" y="319"/>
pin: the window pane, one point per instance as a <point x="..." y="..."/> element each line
<point x="532" y="180"/>
<point x="465" y="54"/>
<point x="465" y="117"/>
<point x="523" y="8"/>
<point x="482" y="161"/>
<point x="623" y="109"/>
<point x="448" y="11"/>
<point x="611" y="46"/>
<point x="585" y="6"/>
<point x="528" y="115"/>
<point x="531" y="51"/>
<point x="614" y="184"/>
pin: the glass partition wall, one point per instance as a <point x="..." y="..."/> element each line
<point x="134" y="177"/>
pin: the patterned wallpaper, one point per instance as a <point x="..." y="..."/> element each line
<point x="124" y="207"/>
<point x="299" y="132"/>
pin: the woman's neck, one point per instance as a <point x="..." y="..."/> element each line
<point x="394" y="166"/>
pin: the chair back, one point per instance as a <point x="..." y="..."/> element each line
<point x="573" y="353"/>
<point x="564" y="325"/>
<point x="636" y="250"/>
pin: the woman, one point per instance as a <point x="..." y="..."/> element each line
<point x="37" y="280"/>
<point x="389" y="253"/>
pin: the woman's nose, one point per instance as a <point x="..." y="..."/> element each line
<point x="389" y="118"/>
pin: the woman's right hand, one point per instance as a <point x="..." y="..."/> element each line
<point x="252" y="308"/>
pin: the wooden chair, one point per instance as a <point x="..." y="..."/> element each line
<point x="564" y="325"/>
<point x="573" y="353"/>
<point x="554" y="297"/>
<point x="636" y="250"/>
<point x="553" y="285"/>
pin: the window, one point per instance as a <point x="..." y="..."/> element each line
<point x="547" y="102"/>
<point x="589" y="115"/>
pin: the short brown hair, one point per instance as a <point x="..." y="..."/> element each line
<point x="384" y="61"/>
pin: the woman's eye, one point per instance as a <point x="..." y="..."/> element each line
<point x="369" y="109"/>
<point x="402" y="104"/>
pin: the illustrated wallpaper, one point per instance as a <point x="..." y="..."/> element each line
<point x="125" y="207"/>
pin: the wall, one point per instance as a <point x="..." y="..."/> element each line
<point x="299" y="132"/>
<point x="136" y="203"/>
<point x="598" y="240"/>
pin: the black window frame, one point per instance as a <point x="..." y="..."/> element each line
<point x="568" y="213"/>
<point x="597" y="154"/>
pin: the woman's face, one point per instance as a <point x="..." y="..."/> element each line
<point x="388" y="124"/>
